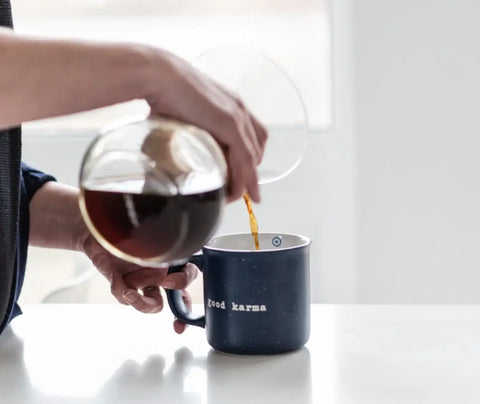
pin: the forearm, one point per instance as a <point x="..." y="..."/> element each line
<point x="43" y="78"/>
<point x="55" y="218"/>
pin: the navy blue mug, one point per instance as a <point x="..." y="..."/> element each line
<point x="256" y="302"/>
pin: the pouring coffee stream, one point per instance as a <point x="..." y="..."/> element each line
<point x="253" y="220"/>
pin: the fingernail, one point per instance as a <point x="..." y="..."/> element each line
<point x="129" y="296"/>
<point x="168" y="285"/>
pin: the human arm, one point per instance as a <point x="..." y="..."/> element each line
<point x="41" y="78"/>
<point x="56" y="222"/>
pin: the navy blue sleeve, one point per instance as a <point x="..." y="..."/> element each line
<point x="34" y="179"/>
<point x="31" y="181"/>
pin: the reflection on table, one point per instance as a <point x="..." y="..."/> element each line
<point x="111" y="354"/>
<point x="356" y="354"/>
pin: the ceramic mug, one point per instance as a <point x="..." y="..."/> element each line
<point x="256" y="301"/>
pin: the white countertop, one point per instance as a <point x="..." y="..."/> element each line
<point x="356" y="354"/>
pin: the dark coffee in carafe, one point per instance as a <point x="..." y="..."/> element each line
<point x="150" y="226"/>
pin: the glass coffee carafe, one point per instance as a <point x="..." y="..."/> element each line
<point x="152" y="190"/>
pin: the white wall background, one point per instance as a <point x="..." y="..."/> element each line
<point x="417" y="86"/>
<point x="389" y="188"/>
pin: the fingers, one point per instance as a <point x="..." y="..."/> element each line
<point x="143" y="277"/>
<point x="249" y="128"/>
<point x="118" y="287"/>
<point x="152" y="292"/>
<point x="254" y="130"/>
<point x="178" y="326"/>
<point x="251" y="132"/>
<point x="245" y="154"/>
<point x="147" y="279"/>
<point x="246" y="177"/>
<point x="245" y="138"/>
<point x="262" y="134"/>
<point x="150" y="302"/>
<point x="181" y="280"/>
<point x="126" y="288"/>
<point x="127" y="280"/>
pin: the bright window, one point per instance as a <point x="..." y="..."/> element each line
<point x="295" y="34"/>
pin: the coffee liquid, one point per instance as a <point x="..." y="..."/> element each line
<point x="253" y="220"/>
<point x="150" y="226"/>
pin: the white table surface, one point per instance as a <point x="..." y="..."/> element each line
<point x="356" y="354"/>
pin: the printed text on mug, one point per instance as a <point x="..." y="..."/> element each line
<point x="236" y="306"/>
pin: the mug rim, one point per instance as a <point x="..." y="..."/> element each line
<point x="306" y="242"/>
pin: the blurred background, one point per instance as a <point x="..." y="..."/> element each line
<point x="388" y="189"/>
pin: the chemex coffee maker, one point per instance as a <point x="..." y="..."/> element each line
<point x="152" y="190"/>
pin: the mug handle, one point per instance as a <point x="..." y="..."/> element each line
<point x="175" y="300"/>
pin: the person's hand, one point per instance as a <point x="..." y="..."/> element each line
<point x="139" y="286"/>
<point x="178" y="90"/>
